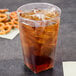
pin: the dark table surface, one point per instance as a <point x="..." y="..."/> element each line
<point x="11" y="59"/>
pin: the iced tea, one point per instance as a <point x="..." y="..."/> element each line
<point x="38" y="32"/>
<point x="38" y="25"/>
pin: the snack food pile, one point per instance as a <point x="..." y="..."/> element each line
<point x="8" y="21"/>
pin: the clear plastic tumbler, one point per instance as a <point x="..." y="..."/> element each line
<point x="39" y="25"/>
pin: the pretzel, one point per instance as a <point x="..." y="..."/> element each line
<point x="11" y="24"/>
<point x="5" y="29"/>
<point x="13" y="14"/>
<point x="3" y="10"/>
<point x="15" y="22"/>
<point x="3" y="17"/>
<point x="1" y="24"/>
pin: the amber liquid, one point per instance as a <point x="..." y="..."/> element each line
<point x="38" y="42"/>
